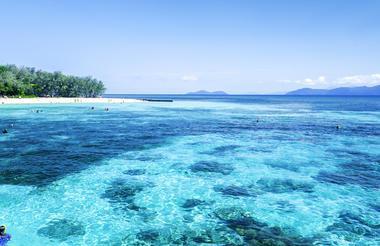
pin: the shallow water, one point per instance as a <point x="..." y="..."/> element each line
<point x="220" y="170"/>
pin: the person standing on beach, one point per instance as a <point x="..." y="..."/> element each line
<point x="4" y="237"/>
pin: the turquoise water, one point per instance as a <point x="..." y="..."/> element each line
<point x="219" y="170"/>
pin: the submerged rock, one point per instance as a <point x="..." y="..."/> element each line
<point x="352" y="218"/>
<point x="286" y="206"/>
<point x="284" y="185"/>
<point x="191" y="203"/>
<point x="255" y="232"/>
<point x="62" y="229"/>
<point x="203" y="238"/>
<point x="147" y="215"/>
<point x="335" y="178"/>
<point x="211" y="166"/>
<point x="230" y="213"/>
<point x="184" y="236"/>
<point x="355" y="173"/>
<point x="134" y="207"/>
<point x="135" y="172"/>
<point x="123" y="192"/>
<point x="233" y="190"/>
<point x="187" y="218"/>
<point x="349" y="224"/>
<point x="213" y="236"/>
<point x="148" y="235"/>
<point x="221" y="150"/>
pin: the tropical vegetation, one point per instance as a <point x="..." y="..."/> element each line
<point x="29" y="82"/>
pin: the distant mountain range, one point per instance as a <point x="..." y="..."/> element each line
<point x="203" y="92"/>
<point x="341" y="91"/>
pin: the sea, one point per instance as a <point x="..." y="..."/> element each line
<point x="201" y="170"/>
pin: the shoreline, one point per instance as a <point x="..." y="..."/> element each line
<point x="65" y="100"/>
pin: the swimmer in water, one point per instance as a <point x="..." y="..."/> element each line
<point x="4" y="237"/>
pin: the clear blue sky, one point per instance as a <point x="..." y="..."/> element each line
<point x="161" y="46"/>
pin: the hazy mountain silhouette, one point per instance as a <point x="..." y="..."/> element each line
<point x="341" y="91"/>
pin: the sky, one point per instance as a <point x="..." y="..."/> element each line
<point x="172" y="46"/>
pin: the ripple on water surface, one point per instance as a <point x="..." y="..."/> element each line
<point x="257" y="172"/>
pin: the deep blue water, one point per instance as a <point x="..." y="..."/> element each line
<point x="223" y="170"/>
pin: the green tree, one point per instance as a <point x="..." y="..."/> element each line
<point x="26" y="81"/>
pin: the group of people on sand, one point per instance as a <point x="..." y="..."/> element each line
<point x="4" y="236"/>
<point x="40" y="111"/>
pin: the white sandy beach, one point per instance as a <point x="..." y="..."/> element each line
<point x="54" y="100"/>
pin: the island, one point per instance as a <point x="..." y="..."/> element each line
<point x="340" y="91"/>
<point x="29" y="82"/>
<point x="204" y="92"/>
